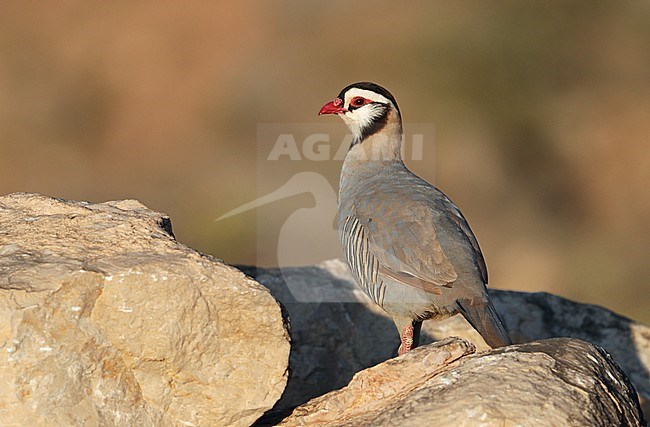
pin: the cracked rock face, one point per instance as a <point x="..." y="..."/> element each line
<point x="106" y="320"/>
<point x="353" y="333"/>
<point x="555" y="382"/>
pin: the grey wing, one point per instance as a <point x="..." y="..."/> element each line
<point x="457" y="217"/>
<point x="410" y="246"/>
<point x="408" y="252"/>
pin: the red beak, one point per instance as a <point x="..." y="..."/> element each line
<point x="333" y="107"/>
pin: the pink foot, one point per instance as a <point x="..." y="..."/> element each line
<point x="407" y="340"/>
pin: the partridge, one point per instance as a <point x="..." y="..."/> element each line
<point x="409" y="247"/>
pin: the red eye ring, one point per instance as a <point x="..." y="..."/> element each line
<point x="359" y="101"/>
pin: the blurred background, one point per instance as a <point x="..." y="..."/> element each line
<point x="541" y="113"/>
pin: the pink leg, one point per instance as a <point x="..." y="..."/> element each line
<point x="407" y="340"/>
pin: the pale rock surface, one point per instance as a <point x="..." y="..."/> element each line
<point x="336" y="328"/>
<point x="106" y="320"/>
<point x="556" y="382"/>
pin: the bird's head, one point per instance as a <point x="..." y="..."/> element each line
<point x="365" y="108"/>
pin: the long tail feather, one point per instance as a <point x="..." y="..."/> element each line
<point x="484" y="318"/>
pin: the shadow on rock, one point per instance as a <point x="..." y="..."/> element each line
<point x="335" y="333"/>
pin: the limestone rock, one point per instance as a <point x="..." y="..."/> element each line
<point x="106" y="320"/>
<point x="555" y="382"/>
<point x="535" y="316"/>
<point x="338" y="329"/>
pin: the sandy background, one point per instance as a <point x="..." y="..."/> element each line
<point x="541" y="112"/>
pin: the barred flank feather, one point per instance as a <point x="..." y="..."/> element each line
<point x="364" y="266"/>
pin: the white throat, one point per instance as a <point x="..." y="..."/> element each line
<point x="360" y="119"/>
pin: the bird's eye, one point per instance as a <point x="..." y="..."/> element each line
<point x="358" y="101"/>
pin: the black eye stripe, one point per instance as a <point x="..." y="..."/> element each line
<point x="353" y="107"/>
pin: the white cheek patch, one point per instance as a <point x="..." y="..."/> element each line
<point x="359" y="119"/>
